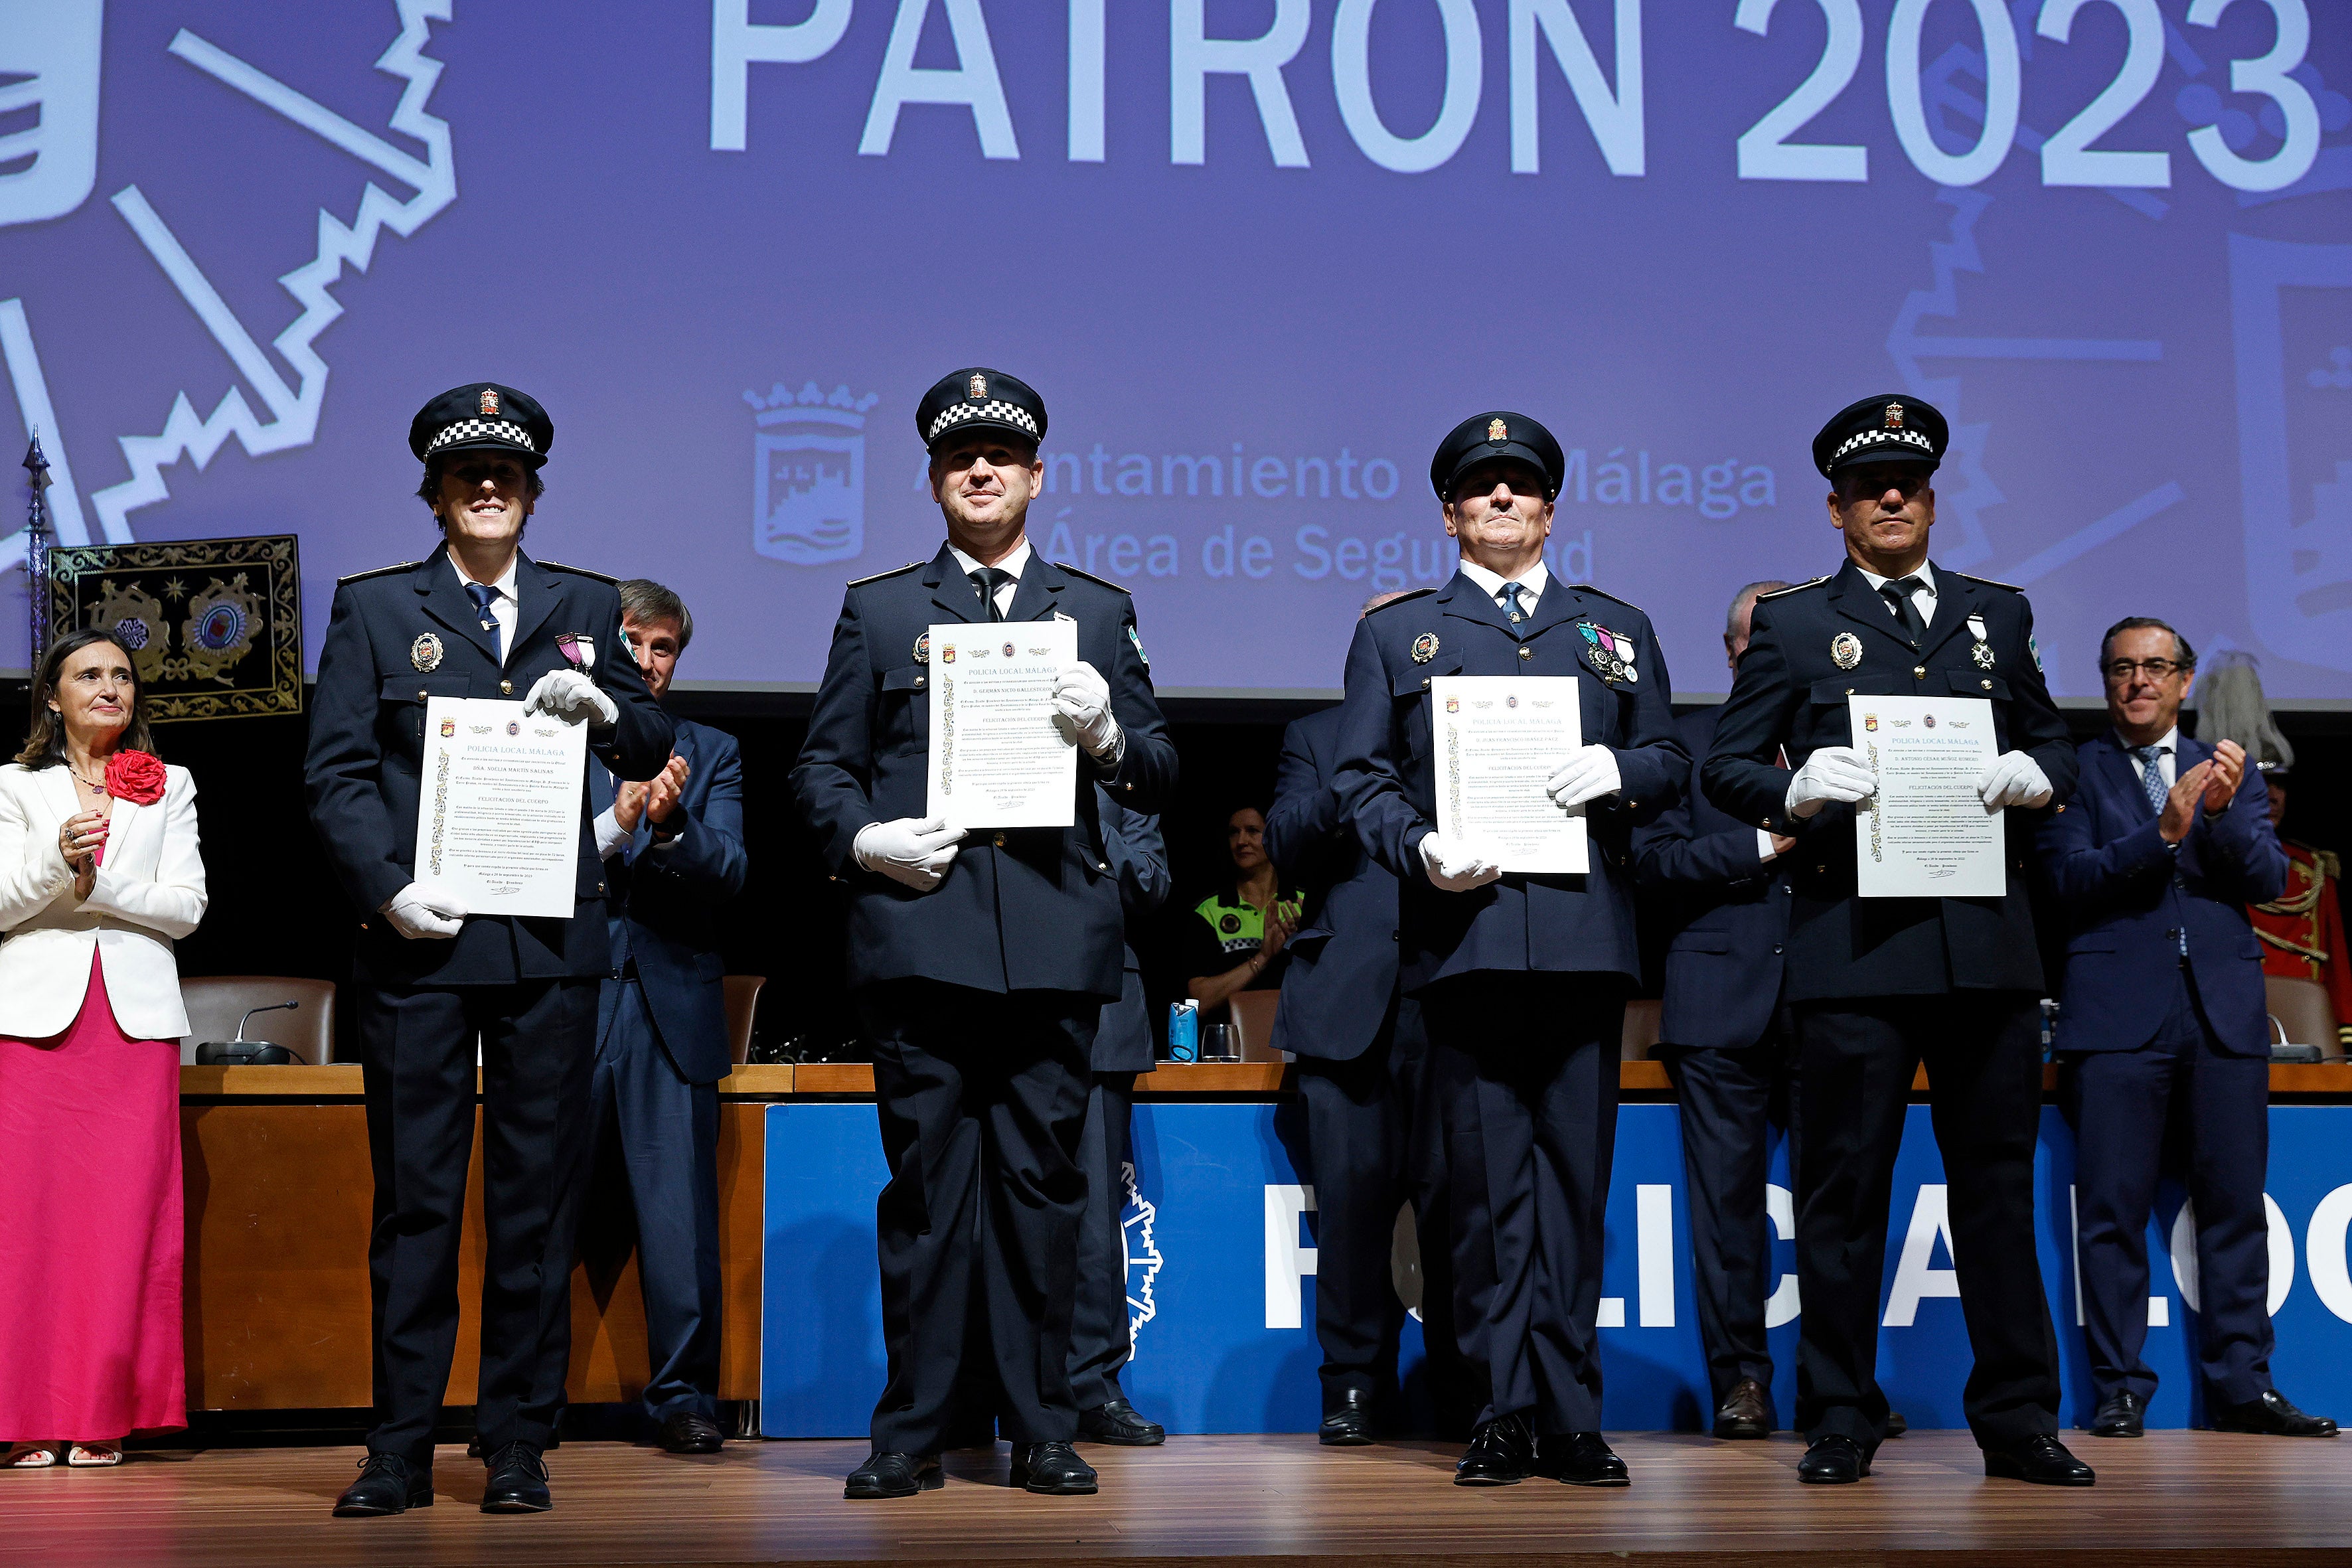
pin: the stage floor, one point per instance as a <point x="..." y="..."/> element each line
<point x="2177" y="1498"/>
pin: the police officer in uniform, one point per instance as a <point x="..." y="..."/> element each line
<point x="980" y="965"/>
<point x="1879" y="985"/>
<point x="1521" y="979"/>
<point x="477" y="618"/>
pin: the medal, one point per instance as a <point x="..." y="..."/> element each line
<point x="1845" y="651"/>
<point x="424" y="653"/>
<point x="1982" y="653"/>
<point x="1612" y="656"/>
<point x="579" y="647"/>
<point x="923" y="648"/>
<point x="1424" y="647"/>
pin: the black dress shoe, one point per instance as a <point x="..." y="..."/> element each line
<point x="1502" y="1453"/>
<point x="386" y="1485"/>
<point x="1119" y="1422"/>
<point x="2272" y="1416"/>
<point x="894" y="1474"/>
<point x="1896" y="1424"/>
<point x="1347" y="1422"/>
<point x="1832" y="1461"/>
<point x="2043" y="1460"/>
<point x="1581" y="1459"/>
<point x="685" y="1432"/>
<point x="2120" y="1415"/>
<point x="517" y="1483"/>
<point x="1746" y="1411"/>
<point x="1052" y="1469"/>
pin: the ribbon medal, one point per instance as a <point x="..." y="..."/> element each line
<point x="578" y="649"/>
<point x="1982" y="653"/>
<point x="1612" y="653"/>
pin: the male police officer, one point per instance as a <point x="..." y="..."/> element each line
<point x="1879" y="983"/>
<point x="674" y="860"/>
<point x="1728" y="1043"/>
<point x="980" y="976"/>
<point x="1522" y="978"/>
<point x="1363" y="1073"/>
<point x="475" y="619"/>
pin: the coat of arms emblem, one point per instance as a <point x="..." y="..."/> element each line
<point x="808" y="494"/>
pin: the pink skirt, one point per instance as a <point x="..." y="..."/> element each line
<point x="90" y="1233"/>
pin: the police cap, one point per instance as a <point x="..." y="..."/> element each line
<point x="1496" y="434"/>
<point x="482" y="417"/>
<point x="1889" y="429"/>
<point x="979" y="398"/>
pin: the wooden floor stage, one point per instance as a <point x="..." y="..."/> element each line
<point x="2173" y="1498"/>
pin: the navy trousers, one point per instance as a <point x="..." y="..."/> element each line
<point x="656" y="1161"/>
<point x="1730" y="1102"/>
<point x="1100" y="1338"/>
<point x="417" y="1053"/>
<point x="1527" y="1087"/>
<point x="2179" y="1092"/>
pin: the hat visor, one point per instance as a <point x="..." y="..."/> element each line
<point x="1886" y="454"/>
<point x="1487" y="452"/>
<point x="988" y="423"/>
<point x="491" y="444"/>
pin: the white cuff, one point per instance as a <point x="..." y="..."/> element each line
<point x="1764" y="850"/>
<point x="610" y="840"/>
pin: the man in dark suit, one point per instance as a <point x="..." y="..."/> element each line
<point x="673" y="860"/>
<point x="478" y="618"/>
<point x="1521" y="978"/>
<point x="1102" y="1337"/>
<point x="1729" y="1045"/>
<point x="980" y="967"/>
<point x="1363" y="1073"/>
<point x="1880" y="984"/>
<point x="2153" y="862"/>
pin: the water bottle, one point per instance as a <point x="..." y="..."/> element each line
<point x="1184" y="1031"/>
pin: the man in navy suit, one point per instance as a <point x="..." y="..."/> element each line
<point x="477" y="618"/>
<point x="1363" y="1076"/>
<point x="673" y="854"/>
<point x="979" y="965"/>
<point x="1521" y="978"/>
<point x="1729" y="1044"/>
<point x="2153" y="861"/>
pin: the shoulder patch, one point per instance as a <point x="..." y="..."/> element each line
<point x="1065" y="566"/>
<point x="1988" y="583"/>
<point x="1404" y="598"/>
<point x="1792" y="588"/>
<point x="379" y="571"/>
<point x="579" y="572"/>
<point x="861" y="582"/>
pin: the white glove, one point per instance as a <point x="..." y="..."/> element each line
<point x="421" y="911"/>
<point x="916" y="851"/>
<point x="1457" y="868"/>
<point x="570" y="696"/>
<point x="1590" y="772"/>
<point x="2014" y="779"/>
<point x="1082" y="700"/>
<point x="1833" y="772"/>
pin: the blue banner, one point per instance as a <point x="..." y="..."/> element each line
<point x="1220" y="1275"/>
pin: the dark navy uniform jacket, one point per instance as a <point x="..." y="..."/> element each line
<point x="1560" y="924"/>
<point x="1138" y="854"/>
<point x="367" y="747"/>
<point x="668" y="906"/>
<point x="1729" y="908"/>
<point x="1021" y="910"/>
<point x="1790" y="693"/>
<point x="1343" y="962"/>
<point x="2126" y="899"/>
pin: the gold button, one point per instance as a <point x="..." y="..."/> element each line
<point x="600" y="887"/>
<point x="918" y="683"/>
<point x="1000" y="841"/>
<point x="1918" y="673"/>
<point x="507" y="687"/>
<point x="1822" y="869"/>
<point x="1526" y="652"/>
<point x="1849" y="691"/>
<point x="1986" y="684"/>
<point x="420" y="694"/>
<point x="1424" y="683"/>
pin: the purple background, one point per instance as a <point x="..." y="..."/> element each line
<point x="602" y="256"/>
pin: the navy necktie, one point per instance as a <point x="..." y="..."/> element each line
<point x="1898" y="599"/>
<point x="989" y="579"/>
<point x="1519" y="611"/>
<point x="483" y="596"/>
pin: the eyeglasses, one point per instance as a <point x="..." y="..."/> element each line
<point x="2155" y="669"/>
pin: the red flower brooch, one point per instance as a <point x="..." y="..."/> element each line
<point x="135" y="777"/>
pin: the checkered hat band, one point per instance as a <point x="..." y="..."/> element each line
<point x="1885" y="437"/>
<point x="1007" y="413"/>
<point x="475" y="430"/>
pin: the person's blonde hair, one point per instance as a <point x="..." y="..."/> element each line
<point x="45" y="738"/>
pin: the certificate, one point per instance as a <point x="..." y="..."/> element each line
<point x="498" y="815"/>
<point x="1499" y="740"/>
<point x="998" y="759"/>
<point x="1925" y="834"/>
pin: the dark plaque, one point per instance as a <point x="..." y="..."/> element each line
<point x="215" y="626"/>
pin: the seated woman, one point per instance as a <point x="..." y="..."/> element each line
<point x="99" y="873"/>
<point x="1233" y="942"/>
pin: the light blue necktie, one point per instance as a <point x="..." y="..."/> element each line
<point x="2151" y="784"/>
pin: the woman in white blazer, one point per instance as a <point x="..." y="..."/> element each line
<point x="99" y="873"/>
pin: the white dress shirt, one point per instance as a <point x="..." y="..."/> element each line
<point x="1923" y="597"/>
<point x="504" y="605"/>
<point x="1531" y="582"/>
<point x="1015" y="563"/>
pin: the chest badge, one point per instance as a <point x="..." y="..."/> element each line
<point x="923" y="648"/>
<point x="1845" y="651"/>
<point x="578" y="649"/>
<point x="1424" y="647"/>
<point x="1612" y="653"/>
<point x="1982" y="653"/>
<point x="424" y="653"/>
